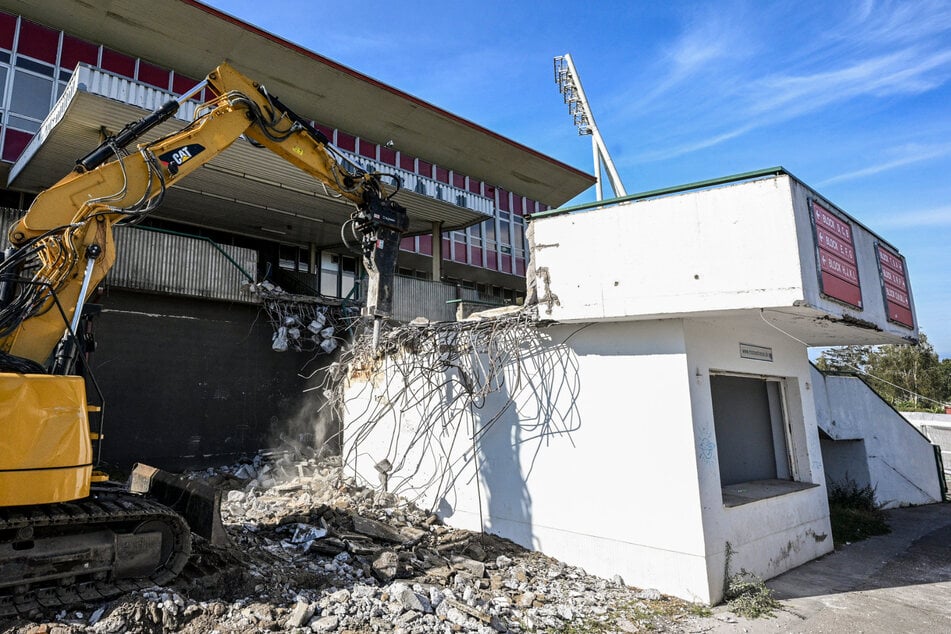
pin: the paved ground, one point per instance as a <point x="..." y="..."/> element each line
<point x="899" y="582"/>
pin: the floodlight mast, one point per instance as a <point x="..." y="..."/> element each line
<point x="569" y="84"/>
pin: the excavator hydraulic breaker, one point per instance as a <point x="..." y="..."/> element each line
<point x="196" y="501"/>
<point x="382" y="223"/>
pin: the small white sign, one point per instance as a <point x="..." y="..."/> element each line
<point x="757" y="353"/>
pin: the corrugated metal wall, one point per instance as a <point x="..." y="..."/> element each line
<point x="174" y="264"/>
<point x="192" y="267"/>
<point x="180" y="265"/>
<point x="421" y="298"/>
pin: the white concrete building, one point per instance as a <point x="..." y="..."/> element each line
<point x="664" y="427"/>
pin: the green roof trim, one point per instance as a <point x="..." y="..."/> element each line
<point x="713" y="182"/>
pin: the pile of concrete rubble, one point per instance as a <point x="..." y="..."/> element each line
<point x="312" y="552"/>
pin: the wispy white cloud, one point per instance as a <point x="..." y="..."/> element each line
<point x="908" y="71"/>
<point x="908" y="155"/>
<point x="711" y="40"/>
<point x="922" y="218"/>
<point x="877" y="52"/>
<point x="898" y="21"/>
<point x="696" y="145"/>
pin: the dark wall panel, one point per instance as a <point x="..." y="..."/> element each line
<point x="192" y="383"/>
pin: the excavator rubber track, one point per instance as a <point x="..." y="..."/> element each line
<point x="113" y="542"/>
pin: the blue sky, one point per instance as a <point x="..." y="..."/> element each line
<point x="854" y="98"/>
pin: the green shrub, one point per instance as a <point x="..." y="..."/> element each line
<point x="854" y="514"/>
<point x="747" y="595"/>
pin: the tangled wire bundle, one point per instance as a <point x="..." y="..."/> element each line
<point x="435" y="391"/>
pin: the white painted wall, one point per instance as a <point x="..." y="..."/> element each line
<point x="900" y="459"/>
<point x="607" y="457"/>
<point x="594" y="463"/>
<point x="768" y="536"/>
<point x="677" y="254"/>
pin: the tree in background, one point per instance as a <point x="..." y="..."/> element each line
<point x="908" y="377"/>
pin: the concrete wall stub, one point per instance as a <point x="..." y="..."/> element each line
<point x="770" y="244"/>
<point x="585" y="452"/>
<point x="599" y="448"/>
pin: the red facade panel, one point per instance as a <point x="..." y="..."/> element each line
<point x="76" y="50"/>
<point x="490" y="260"/>
<point x="475" y="256"/>
<point x="424" y="168"/>
<point x="346" y="141"/>
<point x="368" y="149"/>
<point x="475" y="186"/>
<point x="520" y="266"/>
<point x="153" y="75"/>
<point x="408" y="244"/>
<point x="838" y="269"/>
<point x="460" y="253"/>
<point x="182" y="83"/>
<point x="407" y="163"/>
<point x="503" y="200"/>
<point x="38" y="41"/>
<point x="446" y="253"/>
<point x="326" y="129"/>
<point x="117" y="63"/>
<point x="458" y="180"/>
<point x="8" y="27"/>
<point x="388" y="155"/>
<point x="895" y="287"/>
<point x="442" y="175"/>
<point x="506" y="263"/>
<point x="517" y="205"/>
<point x="426" y="244"/>
<point x="14" y="142"/>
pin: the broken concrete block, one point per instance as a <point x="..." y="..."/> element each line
<point x="325" y="624"/>
<point x="409" y="599"/>
<point x="386" y="566"/>
<point x="473" y="567"/>
<point x="649" y="594"/>
<point x="301" y="613"/>
<point x="376" y="529"/>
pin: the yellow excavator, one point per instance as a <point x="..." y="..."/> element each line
<point x="66" y="532"/>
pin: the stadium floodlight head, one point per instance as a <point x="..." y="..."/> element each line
<point x="569" y="85"/>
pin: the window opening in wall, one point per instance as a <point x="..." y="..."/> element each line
<point x="3" y="86"/>
<point x="348" y="275"/>
<point x="753" y="447"/>
<point x="30" y="100"/>
<point x="329" y="274"/>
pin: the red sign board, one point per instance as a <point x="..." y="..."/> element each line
<point x="895" y="287"/>
<point x="838" y="269"/>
